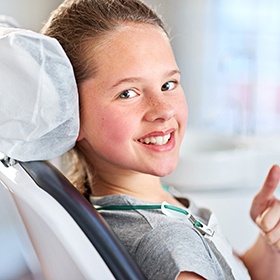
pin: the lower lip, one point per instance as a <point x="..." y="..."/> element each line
<point x="161" y="148"/>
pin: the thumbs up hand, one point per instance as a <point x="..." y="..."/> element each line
<point x="265" y="209"/>
<point x="263" y="258"/>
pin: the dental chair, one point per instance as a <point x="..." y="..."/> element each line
<point x="39" y="121"/>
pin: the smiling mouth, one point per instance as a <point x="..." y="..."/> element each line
<point x="158" y="140"/>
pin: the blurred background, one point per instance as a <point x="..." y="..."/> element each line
<point x="30" y="14"/>
<point x="229" y="56"/>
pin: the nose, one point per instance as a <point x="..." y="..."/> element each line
<point x="159" y="110"/>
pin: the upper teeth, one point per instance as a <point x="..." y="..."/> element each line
<point x="159" y="140"/>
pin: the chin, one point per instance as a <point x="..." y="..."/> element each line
<point x="162" y="172"/>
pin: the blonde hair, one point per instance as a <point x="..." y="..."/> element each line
<point x="77" y="25"/>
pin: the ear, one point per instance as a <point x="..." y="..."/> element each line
<point x="80" y="136"/>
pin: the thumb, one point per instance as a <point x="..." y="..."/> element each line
<point x="266" y="196"/>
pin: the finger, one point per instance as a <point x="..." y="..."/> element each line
<point x="270" y="183"/>
<point x="273" y="241"/>
<point x="273" y="236"/>
<point x="277" y="245"/>
<point x="266" y="194"/>
<point x="269" y="219"/>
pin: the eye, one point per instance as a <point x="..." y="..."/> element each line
<point x="168" y="86"/>
<point x="129" y="93"/>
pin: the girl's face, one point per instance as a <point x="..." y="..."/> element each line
<point x="133" y="111"/>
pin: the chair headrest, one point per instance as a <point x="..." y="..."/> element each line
<point x="39" y="116"/>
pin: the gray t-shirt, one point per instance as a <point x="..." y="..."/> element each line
<point x="161" y="245"/>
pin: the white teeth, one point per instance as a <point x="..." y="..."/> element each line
<point x="159" y="140"/>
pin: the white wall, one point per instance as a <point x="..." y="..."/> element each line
<point x="30" y="14"/>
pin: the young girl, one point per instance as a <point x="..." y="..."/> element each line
<point x="133" y="118"/>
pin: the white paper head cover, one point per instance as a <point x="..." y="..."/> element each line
<point x="39" y="118"/>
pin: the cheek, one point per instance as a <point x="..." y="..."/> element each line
<point x="112" y="136"/>
<point x="182" y="112"/>
<point x="115" y="127"/>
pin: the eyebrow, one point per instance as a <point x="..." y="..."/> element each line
<point x="137" y="79"/>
